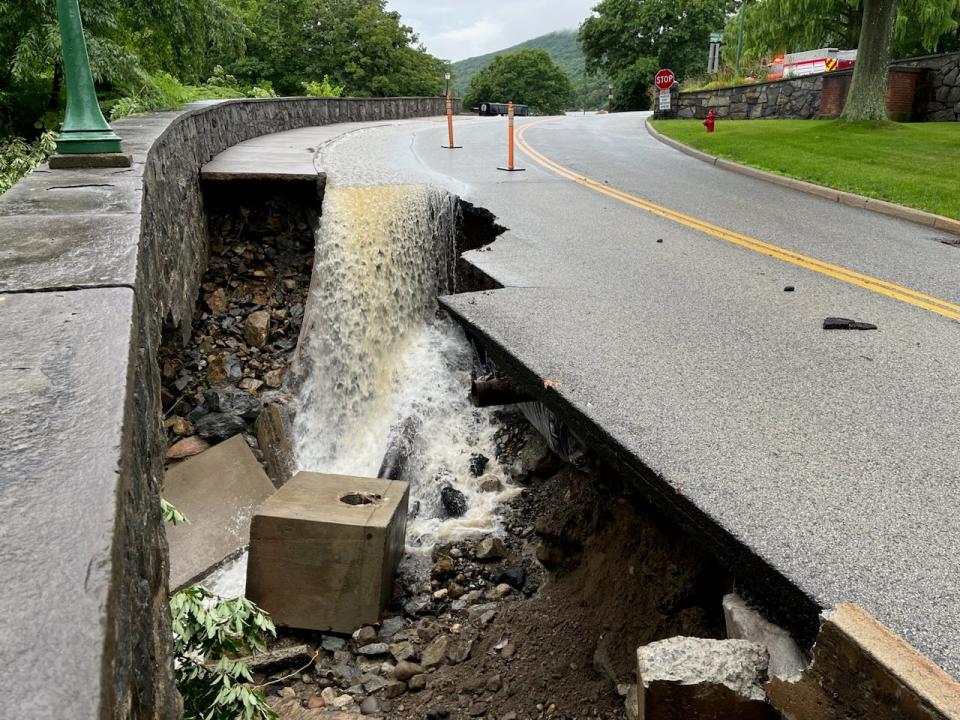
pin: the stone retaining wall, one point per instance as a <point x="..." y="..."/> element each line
<point x="937" y="94"/>
<point x="796" y="98"/>
<point x="93" y="265"/>
<point x="938" y="97"/>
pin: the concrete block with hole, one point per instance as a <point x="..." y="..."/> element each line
<point x="324" y="550"/>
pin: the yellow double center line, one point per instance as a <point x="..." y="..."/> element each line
<point x="898" y="292"/>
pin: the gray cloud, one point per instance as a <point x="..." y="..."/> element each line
<point x="456" y="29"/>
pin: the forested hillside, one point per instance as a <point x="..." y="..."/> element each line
<point x="563" y="48"/>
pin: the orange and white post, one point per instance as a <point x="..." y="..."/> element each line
<point x="451" y="145"/>
<point x="510" y="137"/>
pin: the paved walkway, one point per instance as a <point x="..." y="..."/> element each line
<point x="820" y="466"/>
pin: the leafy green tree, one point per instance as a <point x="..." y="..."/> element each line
<point x="630" y="39"/>
<point x="527" y="77"/>
<point x="773" y="26"/>
<point x="358" y="44"/>
<point x="127" y="40"/>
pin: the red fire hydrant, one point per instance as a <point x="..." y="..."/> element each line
<point x="710" y="121"/>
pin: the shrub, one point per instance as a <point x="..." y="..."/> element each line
<point x="322" y="89"/>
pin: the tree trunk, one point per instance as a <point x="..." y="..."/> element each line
<point x="868" y="91"/>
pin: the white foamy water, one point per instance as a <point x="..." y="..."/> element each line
<point x="374" y="354"/>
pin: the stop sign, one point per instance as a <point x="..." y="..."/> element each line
<point x="664" y="79"/>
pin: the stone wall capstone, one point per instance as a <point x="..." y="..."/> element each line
<point x="93" y="265"/>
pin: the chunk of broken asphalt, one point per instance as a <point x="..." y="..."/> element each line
<point x="835" y="323"/>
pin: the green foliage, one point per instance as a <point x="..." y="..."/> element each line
<point x="911" y="164"/>
<point x="358" y="44"/>
<point x="171" y="514"/>
<point x="630" y="40"/>
<point x="210" y="633"/>
<point x="19" y="157"/>
<point x="773" y="26"/>
<point x="590" y="91"/>
<point x="529" y="77"/>
<point x="324" y="88"/>
<point x="149" y="55"/>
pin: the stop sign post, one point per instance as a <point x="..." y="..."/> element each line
<point x="664" y="80"/>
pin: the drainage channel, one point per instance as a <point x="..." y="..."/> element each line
<point x="532" y="570"/>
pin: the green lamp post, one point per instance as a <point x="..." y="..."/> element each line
<point x="84" y="130"/>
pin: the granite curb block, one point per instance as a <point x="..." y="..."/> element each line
<point x="921" y="217"/>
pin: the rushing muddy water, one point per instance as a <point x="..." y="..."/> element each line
<point x="374" y="354"/>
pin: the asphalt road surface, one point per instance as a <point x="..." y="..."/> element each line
<point x="650" y="289"/>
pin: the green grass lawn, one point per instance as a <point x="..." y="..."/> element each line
<point x="914" y="164"/>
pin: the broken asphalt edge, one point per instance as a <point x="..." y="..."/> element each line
<point x="882" y="207"/>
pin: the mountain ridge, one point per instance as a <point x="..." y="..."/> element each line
<point x="563" y="47"/>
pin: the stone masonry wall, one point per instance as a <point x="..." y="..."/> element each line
<point x="93" y="263"/>
<point x="796" y="98"/>
<point x="937" y="97"/>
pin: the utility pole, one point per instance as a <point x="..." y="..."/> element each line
<point x="84" y="131"/>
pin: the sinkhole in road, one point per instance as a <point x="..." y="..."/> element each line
<point x="377" y="360"/>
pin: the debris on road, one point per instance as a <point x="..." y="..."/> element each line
<point x="837" y="323"/>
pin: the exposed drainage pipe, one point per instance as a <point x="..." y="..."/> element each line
<point x="497" y="391"/>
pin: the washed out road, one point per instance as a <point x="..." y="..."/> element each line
<point x="649" y="288"/>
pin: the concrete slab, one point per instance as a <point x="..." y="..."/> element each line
<point x="69" y="192"/>
<point x="218" y="490"/>
<point x="324" y="550"/>
<point x="43" y="252"/>
<point x="64" y="365"/>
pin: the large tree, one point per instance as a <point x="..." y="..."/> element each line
<point x="774" y="26"/>
<point x="358" y="44"/>
<point x="868" y="91"/>
<point x="630" y="39"/>
<point x="528" y="77"/>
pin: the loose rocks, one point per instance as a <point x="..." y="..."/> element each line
<point x="454" y="502"/>
<point x="491" y="549"/>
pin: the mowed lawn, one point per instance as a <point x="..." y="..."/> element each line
<point x="914" y="164"/>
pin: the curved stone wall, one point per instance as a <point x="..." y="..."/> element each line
<point x="93" y="265"/>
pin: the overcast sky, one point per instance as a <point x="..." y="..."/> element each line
<point x="457" y="29"/>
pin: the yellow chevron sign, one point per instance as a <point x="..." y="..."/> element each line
<point x="831" y="64"/>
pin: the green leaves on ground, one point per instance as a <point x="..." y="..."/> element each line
<point x="528" y="77"/>
<point x="911" y="164"/>
<point x="210" y="634"/>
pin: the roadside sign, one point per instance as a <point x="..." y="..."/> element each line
<point x="716" y="37"/>
<point x="664" y="79"/>
<point x="665" y="99"/>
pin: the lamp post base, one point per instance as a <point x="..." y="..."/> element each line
<point x="86" y="142"/>
<point x="79" y="161"/>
